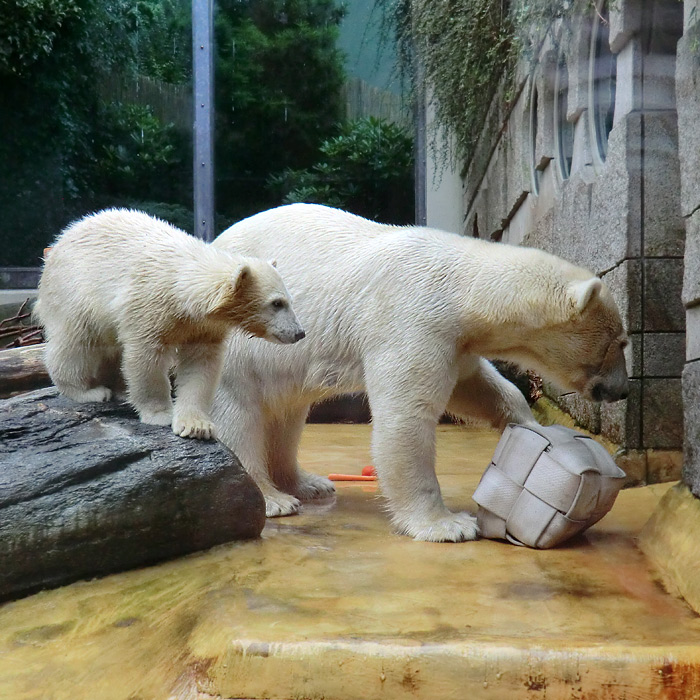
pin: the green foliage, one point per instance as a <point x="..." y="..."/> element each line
<point x="366" y="169"/>
<point x="52" y="57"/>
<point x="44" y="106"/>
<point x="28" y="30"/>
<point x="278" y="81"/>
<point x="136" y="153"/>
<point x="461" y="51"/>
<point x="175" y="214"/>
<point x="164" y="50"/>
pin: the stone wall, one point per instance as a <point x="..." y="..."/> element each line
<point x="688" y="97"/>
<point x="586" y="164"/>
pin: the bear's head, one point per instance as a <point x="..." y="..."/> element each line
<point x="580" y="344"/>
<point x="256" y="300"/>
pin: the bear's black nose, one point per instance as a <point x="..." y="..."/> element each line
<point x="601" y="392"/>
<point x="299" y="335"/>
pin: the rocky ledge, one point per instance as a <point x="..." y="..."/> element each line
<point x="87" y="490"/>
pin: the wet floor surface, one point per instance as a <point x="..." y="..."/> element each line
<point x="332" y="604"/>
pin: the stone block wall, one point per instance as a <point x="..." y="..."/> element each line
<point x="688" y="99"/>
<point x="597" y="179"/>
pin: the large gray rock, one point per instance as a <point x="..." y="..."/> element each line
<point x="86" y="490"/>
<point x="662" y="414"/>
<point x="663" y="285"/>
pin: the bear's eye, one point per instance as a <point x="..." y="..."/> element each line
<point x="278" y="304"/>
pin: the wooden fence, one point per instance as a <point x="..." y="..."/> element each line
<point x="365" y="100"/>
<point x="170" y="103"/>
<point x="173" y="103"/>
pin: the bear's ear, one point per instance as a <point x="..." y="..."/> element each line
<point x="231" y="291"/>
<point x="583" y="292"/>
<point x="242" y="280"/>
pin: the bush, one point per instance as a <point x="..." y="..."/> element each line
<point x="366" y="169"/>
<point x="137" y="154"/>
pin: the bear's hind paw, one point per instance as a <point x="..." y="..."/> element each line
<point x="164" y="417"/>
<point x="311" y="486"/>
<point x="452" y="527"/>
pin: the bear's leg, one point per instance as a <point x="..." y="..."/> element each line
<point x="196" y="376"/>
<point x="405" y="413"/>
<point x="284" y="433"/>
<point x="242" y="427"/>
<point x="145" y="368"/>
<point x="110" y="373"/>
<point x="73" y="364"/>
<point x="488" y="395"/>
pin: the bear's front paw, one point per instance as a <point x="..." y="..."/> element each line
<point x="193" y="426"/>
<point x="279" y="504"/>
<point x="311" y="486"/>
<point x="449" y="527"/>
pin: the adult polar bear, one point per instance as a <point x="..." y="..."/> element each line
<point x="409" y="314"/>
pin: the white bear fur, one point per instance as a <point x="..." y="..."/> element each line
<point x="121" y="289"/>
<point x="409" y="314"/>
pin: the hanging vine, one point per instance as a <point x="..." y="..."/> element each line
<point x="464" y="50"/>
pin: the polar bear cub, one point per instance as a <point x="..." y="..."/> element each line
<point x="415" y="315"/>
<point x="124" y="297"/>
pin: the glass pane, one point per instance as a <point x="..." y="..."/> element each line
<point x="95" y="103"/>
<point x="300" y="119"/>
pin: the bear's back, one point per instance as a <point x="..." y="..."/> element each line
<point x="315" y="232"/>
<point x="126" y="232"/>
<point x="94" y="262"/>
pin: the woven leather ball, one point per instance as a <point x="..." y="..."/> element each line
<point x="545" y="485"/>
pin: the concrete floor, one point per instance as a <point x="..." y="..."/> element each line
<point x="331" y="604"/>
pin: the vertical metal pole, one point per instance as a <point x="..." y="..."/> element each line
<point x="203" y="71"/>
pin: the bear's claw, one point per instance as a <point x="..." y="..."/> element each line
<point x="281" y="504"/>
<point x="198" y="429"/>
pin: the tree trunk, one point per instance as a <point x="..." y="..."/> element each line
<point x="22" y="369"/>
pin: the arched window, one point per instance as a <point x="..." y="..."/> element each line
<point x="563" y="129"/>
<point x="534" y="172"/>
<point x="602" y="79"/>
